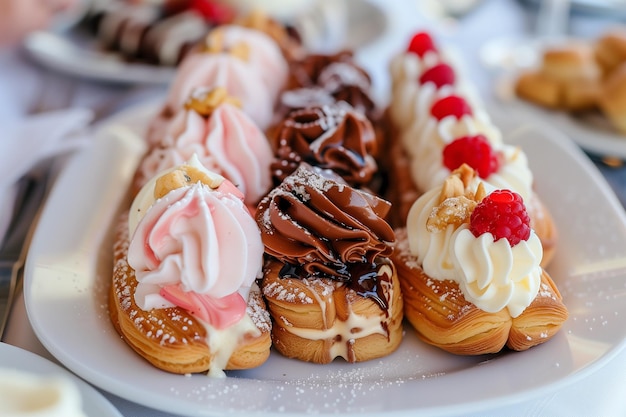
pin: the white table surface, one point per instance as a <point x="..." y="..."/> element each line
<point x="599" y="394"/>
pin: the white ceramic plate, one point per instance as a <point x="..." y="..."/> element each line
<point x="94" y="404"/>
<point x="592" y="132"/>
<point x="70" y="50"/>
<point x="69" y="268"/>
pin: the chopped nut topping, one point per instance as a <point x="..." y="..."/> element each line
<point x="181" y="177"/>
<point x="453" y="210"/>
<point x="204" y="102"/>
<point x="260" y="21"/>
<point x="456" y="200"/>
<point x="214" y="43"/>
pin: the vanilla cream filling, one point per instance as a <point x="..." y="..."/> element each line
<point x="223" y="343"/>
<point x="344" y="333"/>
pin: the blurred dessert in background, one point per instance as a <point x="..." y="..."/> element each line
<point x="581" y="77"/>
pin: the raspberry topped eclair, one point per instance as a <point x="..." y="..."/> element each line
<point x="186" y="258"/>
<point x="469" y="266"/>
<point x="331" y="289"/>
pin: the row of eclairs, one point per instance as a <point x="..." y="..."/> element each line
<point x="280" y="210"/>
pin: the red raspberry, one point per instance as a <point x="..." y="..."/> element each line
<point x="451" y="105"/>
<point x="421" y="43"/>
<point x="212" y="11"/>
<point x="474" y="151"/>
<point x="440" y="74"/>
<point x="503" y="214"/>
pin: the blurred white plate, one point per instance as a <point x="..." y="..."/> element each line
<point x="66" y="52"/>
<point x="70" y="50"/>
<point x="592" y="132"/>
<point x="69" y="270"/>
<point x="94" y="404"/>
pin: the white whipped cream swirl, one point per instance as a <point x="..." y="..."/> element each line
<point x="494" y="275"/>
<point x="491" y="275"/>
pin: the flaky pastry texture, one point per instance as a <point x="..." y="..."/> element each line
<point x="443" y="317"/>
<point x="170" y="338"/>
<point x="319" y="319"/>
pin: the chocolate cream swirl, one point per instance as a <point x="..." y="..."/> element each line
<point x="322" y="227"/>
<point x="340" y="76"/>
<point x="334" y="137"/>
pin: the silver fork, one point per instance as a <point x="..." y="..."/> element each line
<point x="32" y="192"/>
<point x="15" y="249"/>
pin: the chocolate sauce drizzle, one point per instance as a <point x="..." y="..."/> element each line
<point x="363" y="278"/>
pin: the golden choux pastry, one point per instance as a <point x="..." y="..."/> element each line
<point x="568" y="78"/>
<point x="610" y="49"/>
<point x="329" y="284"/>
<point x="613" y="99"/>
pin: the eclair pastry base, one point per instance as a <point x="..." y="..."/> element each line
<point x="170" y="338"/>
<point x="319" y="319"/>
<point x="443" y="317"/>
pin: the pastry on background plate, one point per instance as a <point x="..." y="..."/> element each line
<point x="568" y="78"/>
<point x="469" y="267"/>
<point x="330" y="287"/>
<point x="186" y="259"/>
<point x="613" y="99"/>
<point x="610" y="49"/>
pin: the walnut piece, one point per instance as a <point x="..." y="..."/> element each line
<point x="214" y="43"/>
<point x="453" y="210"/>
<point x="205" y="101"/>
<point x="456" y="200"/>
<point x="181" y="177"/>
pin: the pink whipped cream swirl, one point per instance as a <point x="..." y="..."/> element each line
<point x="239" y="77"/>
<point x="227" y="142"/>
<point x="199" y="249"/>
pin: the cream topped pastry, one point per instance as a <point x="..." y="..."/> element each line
<point x="421" y="53"/>
<point x="453" y="139"/>
<point x="490" y="270"/>
<point x="183" y="251"/>
<point x="330" y="286"/>
<point x="471" y="247"/>
<point x="454" y="134"/>
<point x="421" y="75"/>
<point x="340" y="76"/>
<point x="332" y="137"/>
<point x="224" y="139"/>
<point x="246" y="62"/>
<point x="449" y="116"/>
<point x="441" y="124"/>
<point x="190" y="261"/>
<point x="287" y="38"/>
<point x="263" y="53"/>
